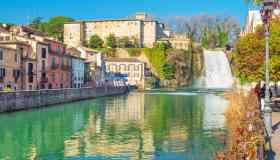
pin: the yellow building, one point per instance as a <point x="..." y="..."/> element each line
<point x="141" y="28"/>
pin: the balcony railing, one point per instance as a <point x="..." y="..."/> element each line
<point x="44" y="80"/>
<point x="54" y="66"/>
<point x="66" y="67"/>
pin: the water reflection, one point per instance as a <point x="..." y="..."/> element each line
<point x="136" y="126"/>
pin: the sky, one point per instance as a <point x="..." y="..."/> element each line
<point x="22" y="11"/>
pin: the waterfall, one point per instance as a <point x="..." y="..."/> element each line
<point x="217" y="70"/>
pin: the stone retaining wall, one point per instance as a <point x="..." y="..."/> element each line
<point x="22" y="100"/>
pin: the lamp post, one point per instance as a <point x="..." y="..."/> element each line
<point x="266" y="13"/>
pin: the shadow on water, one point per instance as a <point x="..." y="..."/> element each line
<point x="175" y="125"/>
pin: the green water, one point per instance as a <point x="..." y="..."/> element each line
<point x="165" y="126"/>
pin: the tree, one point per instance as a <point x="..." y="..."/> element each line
<point x="53" y="27"/>
<point x="36" y="22"/>
<point x="56" y="26"/>
<point x="222" y="37"/>
<point x="204" y="38"/>
<point x="161" y="46"/>
<point x="169" y="71"/>
<point x="95" y="42"/>
<point x="111" y="41"/>
<point x="249" y="55"/>
<point x="200" y="22"/>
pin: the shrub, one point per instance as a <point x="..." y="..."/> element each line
<point x="134" y="52"/>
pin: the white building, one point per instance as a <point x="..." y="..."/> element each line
<point x="130" y="67"/>
<point x="78" y="72"/>
<point x="78" y="68"/>
<point x="254" y="20"/>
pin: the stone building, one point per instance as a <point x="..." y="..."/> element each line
<point x="131" y="67"/>
<point x="28" y="63"/>
<point x="10" y="69"/>
<point x="179" y="41"/>
<point x="141" y="29"/>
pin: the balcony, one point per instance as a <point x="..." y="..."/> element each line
<point x="54" y="66"/>
<point x="66" y="67"/>
<point x="30" y="73"/>
<point x="44" y="80"/>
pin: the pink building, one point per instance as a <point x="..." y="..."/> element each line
<point x="59" y="66"/>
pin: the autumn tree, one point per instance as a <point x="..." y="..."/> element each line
<point x="249" y="55"/>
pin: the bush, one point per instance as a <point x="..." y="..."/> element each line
<point x="134" y="52"/>
<point x="95" y="42"/>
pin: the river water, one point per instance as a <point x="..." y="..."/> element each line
<point x="158" y="125"/>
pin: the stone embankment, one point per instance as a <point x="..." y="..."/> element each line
<point x="23" y="100"/>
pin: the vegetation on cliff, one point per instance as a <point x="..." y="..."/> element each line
<point x="248" y="59"/>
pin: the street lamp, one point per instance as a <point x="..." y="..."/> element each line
<point x="266" y="12"/>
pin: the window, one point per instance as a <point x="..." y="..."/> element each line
<point x="43" y="65"/>
<point x="44" y="52"/>
<point x="16" y="58"/>
<point x="16" y="74"/>
<point x="30" y="69"/>
<point x="53" y="76"/>
<point x="2" y="72"/>
<point x="1" y="54"/>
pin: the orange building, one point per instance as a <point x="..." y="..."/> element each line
<point x="28" y="63"/>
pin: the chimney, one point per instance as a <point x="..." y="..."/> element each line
<point x="141" y="16"/>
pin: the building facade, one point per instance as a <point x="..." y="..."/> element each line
<point x="78" y="68"/>
<point x="28" y="63"/>
<point x="131" y="67"/>
<point x="59" y="65"/>
<point x="254" y="20"/>
<point x="10" y="69"/>
<point x="141" y="29"/>
<point x="95" y="68"/>
<point x="78" y="72"/>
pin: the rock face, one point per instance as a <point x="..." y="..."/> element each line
<point x="189" y="66"/>
<point x="15" y="101"/>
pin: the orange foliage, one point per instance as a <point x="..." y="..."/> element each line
<point x="246" y="128"/>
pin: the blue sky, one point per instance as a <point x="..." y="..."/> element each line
<point x="21" y="11"/>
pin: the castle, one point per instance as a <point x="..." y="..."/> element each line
<point x="142" y="29"/>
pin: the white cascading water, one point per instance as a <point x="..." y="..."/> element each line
<point x="218" y="73"/>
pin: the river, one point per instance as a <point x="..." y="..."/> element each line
<point x="154" y="125"/>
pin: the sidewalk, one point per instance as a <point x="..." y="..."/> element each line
<point x="275" y="140"/>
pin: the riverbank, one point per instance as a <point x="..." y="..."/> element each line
<point x="23" y="100"/>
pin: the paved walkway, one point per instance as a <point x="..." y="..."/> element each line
<point x="275" y="141"/>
